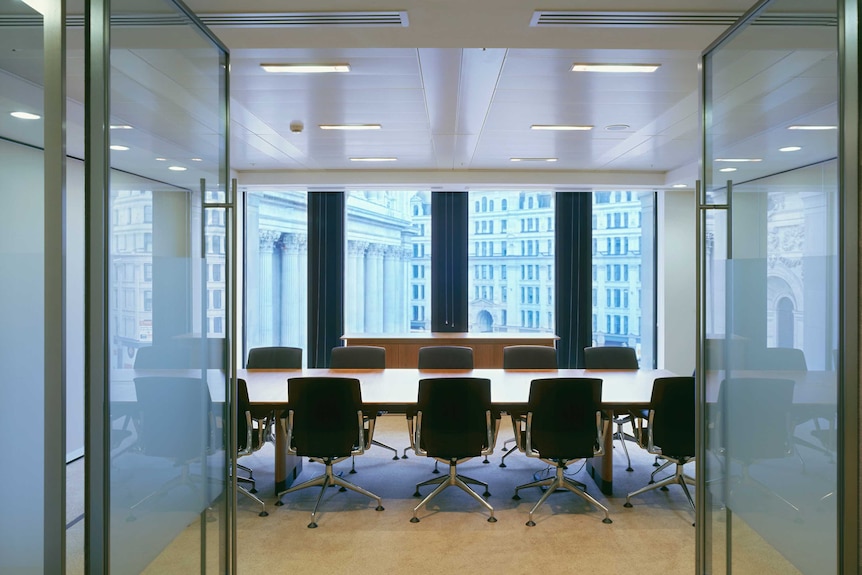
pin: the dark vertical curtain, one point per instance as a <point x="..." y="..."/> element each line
<point x="325" y="275"/>
<point x="573" y="283"/>
<point x="449" y="262"/>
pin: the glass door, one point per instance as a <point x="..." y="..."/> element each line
<point x="770" y="304"/>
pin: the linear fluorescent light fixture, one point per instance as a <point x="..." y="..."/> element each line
<point x="373" y="159"/>
<point x="615" y="68"/>
<point x="532" y="159"/>
<point x="790" y="149"/>
<point x="561" y="127"/>
<point x="349" y="126"/>
<point x="119" y="148"/>
<point x="811" y="127"/>
<point x="305" y="68"/>
<point x="727" y="170"/>
<point x="24" y="115"/>
<point x="121" y="127"/>
<point x="738" y="160"/>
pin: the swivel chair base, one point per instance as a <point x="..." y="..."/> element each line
<point x="325" y="480"/>
<point x="678" y="477"/>
<point x="559" y="481"/>
<point x="453" y="478"/>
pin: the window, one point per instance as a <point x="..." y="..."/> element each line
<point x="276" y="263"/>
<point x="624" y="310"/>
<point x="380" y="227"/>
<point x="531" y="209"/>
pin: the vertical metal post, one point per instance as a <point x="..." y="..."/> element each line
<point x="96" y="373"/>
<point x="54" y="513"/>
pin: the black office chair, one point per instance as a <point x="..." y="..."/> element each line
<point x="453" y="424"/>
<point x="610" y="357"/>
<point x="670" y="432"/>
<point x="563" y="423"/>
<point x="361" y="357"/>
<point x="442" y="357"/>
<point x="325" y="423"/>
<point x="526" y="357"/>
<point x="175" y="422"/>
<point x="274" y="358"/>
<point x="445" y="357"/>
<point x="250" y="437"/>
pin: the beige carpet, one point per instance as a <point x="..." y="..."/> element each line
<point x="653" y="537"/>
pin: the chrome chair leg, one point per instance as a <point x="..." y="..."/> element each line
<point x="461" y="481"/>
<point x="255" y="498"/>
<point x="560" y="481"/>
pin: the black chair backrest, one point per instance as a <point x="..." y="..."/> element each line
<point x="325" y="423"/>
<point x="274" y="358"/>
<point x="358" y="357"/>
<point x="174" y="416"/>
<point x="673" y="423"/>
<point x="610" y="357"/>
<point x="529" y="357"/>
<point x="453" y="416"/>
<point x="760" y="409"/>
<point x="777" y="359"/>
<point x="445" y="357"/>
<point x="242" y="406"/>
<point x="563" y="425"/>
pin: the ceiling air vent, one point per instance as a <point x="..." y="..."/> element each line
<point x="306" y="19"/>
<point x="669" y="19"/>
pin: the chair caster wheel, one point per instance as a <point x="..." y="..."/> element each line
<point x="516" y="497"/>
<point x="492" y="520"/>
<point x="352" y="471"/>
<point x="342" y="489"/>
<point x="414" y="520"/>
<point x="629" y="469"/>
<point x="252" y="490"/>
<point x="263" y="514"/>
<point x="664" y="488"/>
<point x="628" y="504"/>
<point x="486" y="494"/>
<point x="395" y="458"/>
<point x="403" y="457"/>
<point x="417" y="494"/>
<point x="607" y="520"/>
<point x="312" y="525"/>
<point x="502" y="464"/>
<point x="279" y="503"/>
<point x="531" y="523"/>
<point x="378" y="508"/>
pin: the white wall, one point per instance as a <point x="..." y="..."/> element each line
<point x="677" y="281"/>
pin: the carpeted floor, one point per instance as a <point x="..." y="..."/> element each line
<point x="453" y="536"/>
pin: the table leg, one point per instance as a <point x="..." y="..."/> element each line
<point x="287" y="466"/>
<point x="601" y="467"/>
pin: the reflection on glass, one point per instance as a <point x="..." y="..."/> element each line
<point x="387" y="278"/>
<point x="511" y="261"/>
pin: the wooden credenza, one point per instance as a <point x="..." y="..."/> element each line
<point x="402" y="350"/>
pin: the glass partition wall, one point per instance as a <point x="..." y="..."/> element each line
<point x="164" y="338"/>
<point x="770" y="288"/>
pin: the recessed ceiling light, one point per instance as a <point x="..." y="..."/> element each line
<point x="197" y="160"/>
<point x="811" y="127"/>
<point x="121" y="127"/>
<point x="727" y="170"/>
<point x="532" y="159"/>
<point x="738" y="160"/>
<point x="790" y="149"/>
<point x="25" y="115"/>
<point x="615" y="68"/>
<point x="680" y="186"/>
<point x="617" y="127"/>
<point x="349" y="126"/>
<point x="305" y="68"/>
<point x="161" y="159"/>
<point x="560" y="127"/>
<point x="177" y="168"/>
<point x="118" y="148"/>
<point x="373" y="159"/>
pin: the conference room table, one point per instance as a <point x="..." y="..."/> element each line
<point x="395" y="390"/>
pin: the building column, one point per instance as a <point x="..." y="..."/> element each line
<point x="373" y="289"/>
<point x="292" y="289"/>
<point x="354" y="320"/>
<point x="268" y="239"/>
<point x="815" y="309"/>
<point x="393" y="289"/>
